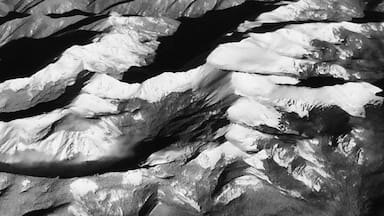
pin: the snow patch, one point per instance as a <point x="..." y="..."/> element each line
<point x="182" y="198"/>
<point x="25" y="185"/>
<point x="246" y="138"/>
<point x="209" y="158"/>
<point x="253" y="113"/>
<point x="134" y="178"/>
<point x="250" y="57"/>
<point x="82" y="187"/>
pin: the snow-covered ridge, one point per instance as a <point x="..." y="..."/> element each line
<point x="23" y="138"/>
<point x="265" y="96"/>
<point x="304" y="10"/>
<point x="306" y="50"/>
<point x="119" y="48"/>
<point x="282" y="147"/>
<point x="264" y="68"/>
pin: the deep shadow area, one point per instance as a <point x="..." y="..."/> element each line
<point x="183" y="127"/>
<point x="11" y="16"/>
<point x="194" y="40"/>
<point x="71" y="92"/>
<point x="47" y="211"/>
<point x="26" y="56"/>
<point x="376" y="207"/>
<point x="379" y="83"/>
<point x="331" y="122"/>
<point x="370" y="16"/>
<point x="321" y="81"/>
<point x="372" y="4"/>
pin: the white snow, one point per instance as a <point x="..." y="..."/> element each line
<point x="253" y="113"/>
<point x="256" y="160"/>
<point x="229" y="193"/>
<point x="88" y="105"/>
<point x="250" y="57"/>
<point x="208" y="159"/>
<point x="25" y="185"/>
<point x="283" y="156"/>
<point x="238" y="187"/>
<point x="112" y="53"/>
<point x="246" y="138"/>
<point x="351" y="97"/>
<point x="157" y="87"/>
<point x="182" y="197"/>
<point x="309" y="177"/>
<point x="134" y="178"/>
<point x="302" y="10"/>
<point x="105" y="86"/>
<point x="83" y="186"/>
<point x="257" y="85"/>
<point x="94" y="140"/>
<point x="285" y="42"/>
<point x="151" y="90"/>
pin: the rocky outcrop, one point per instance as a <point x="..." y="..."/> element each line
<point x="281" y="120"/>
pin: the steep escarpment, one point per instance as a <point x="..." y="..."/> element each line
<point x="191" y="108"/>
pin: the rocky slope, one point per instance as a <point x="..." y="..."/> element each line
<point x="182" y="107"/>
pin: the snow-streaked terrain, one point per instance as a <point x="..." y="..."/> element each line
<point x="284" y="121"/>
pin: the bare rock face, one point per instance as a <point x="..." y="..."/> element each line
<point x="277" y="112"/>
